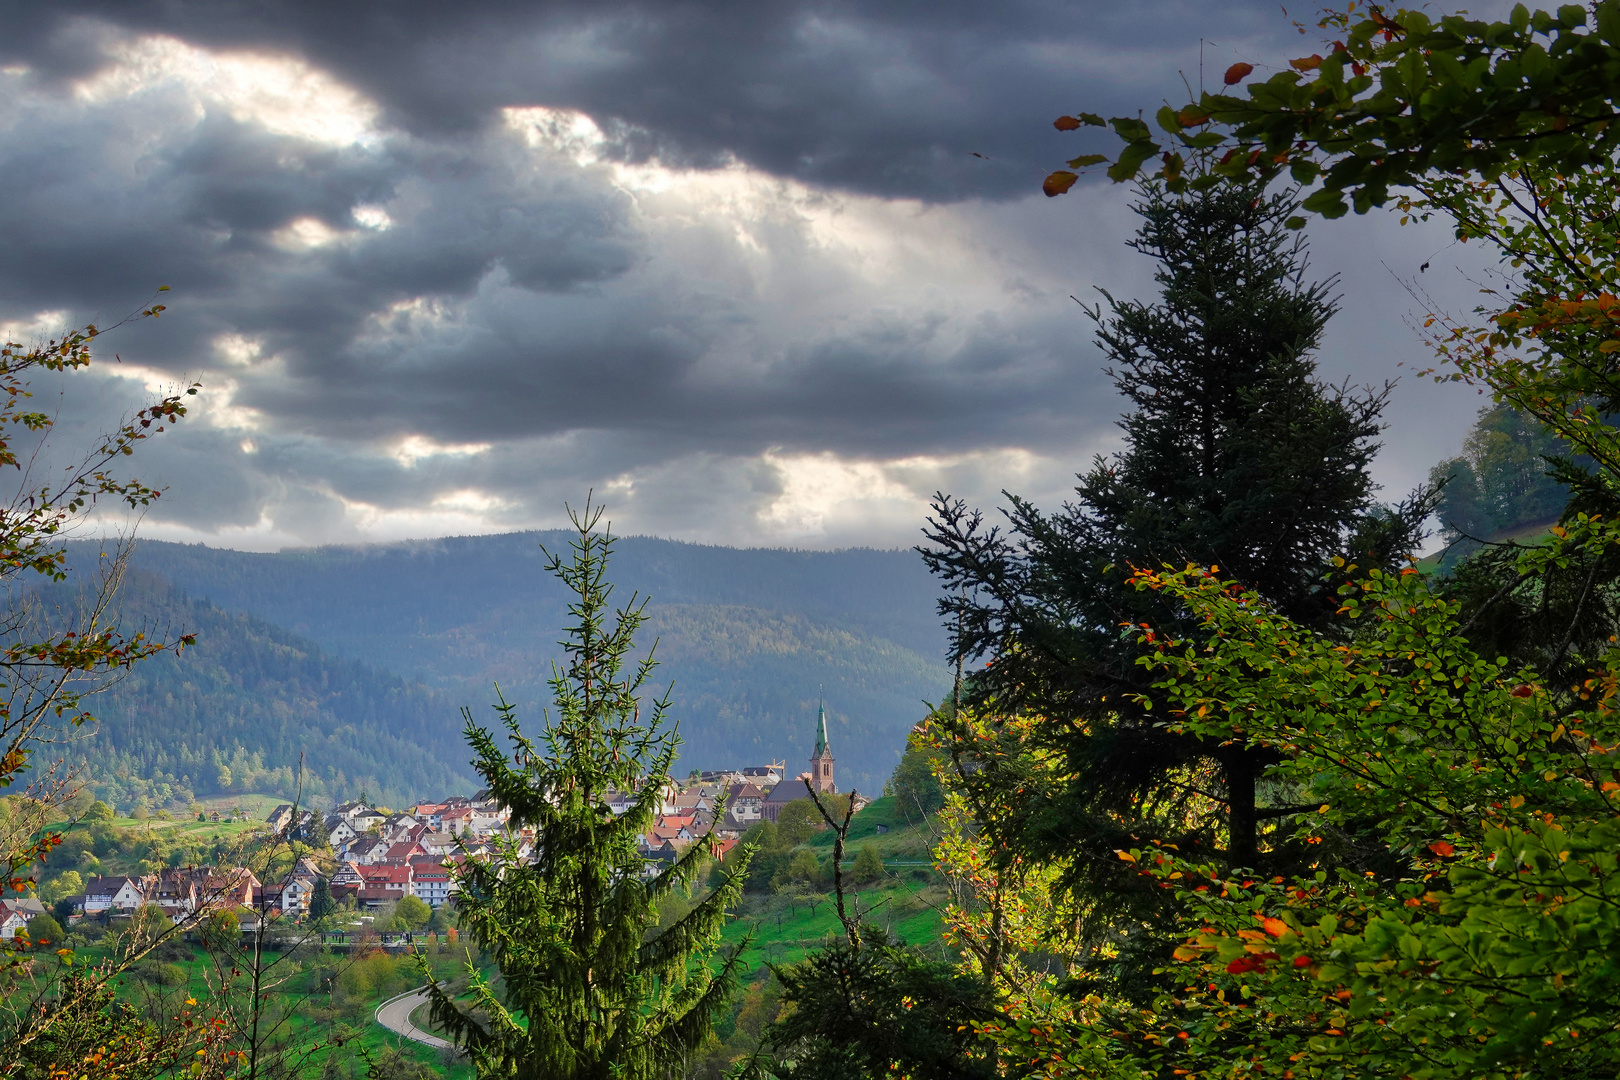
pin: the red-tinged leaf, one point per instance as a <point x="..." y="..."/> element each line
<point x="1059" y="182"/>
<point x="1252" y="962"/>
<point x="1274" y="927"/>
<point x="1302" y="961"/>
<point x="1066" y="123"/>
<point x="1524" y="690"/>
<point x="1125" y="856"/>
<point x="1237" y="73"/>
<point x="1307" y="63"/>
<point x="1442" y="848"/>
<point x="1192" y="116"/>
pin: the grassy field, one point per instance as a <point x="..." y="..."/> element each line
<point x="783" y="929"/>
<point x="786" y="926"/>
<point x="308" y="1015"/>
<point x="895" y="835"/>
<point x="329" y="996"/>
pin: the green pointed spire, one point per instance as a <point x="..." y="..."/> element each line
<point x="821" y="730"/>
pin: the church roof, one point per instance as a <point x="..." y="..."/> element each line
<point x="821" y="732"/>
<point x="787" y="791"/>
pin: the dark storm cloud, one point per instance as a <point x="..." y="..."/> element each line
<point x="451" y="308"/>
<point x="890" y="98"/>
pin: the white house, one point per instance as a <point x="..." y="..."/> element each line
<point x="10" y="922"/>
<point x="366" y="850"/>
<point x="339" y="831"/>
<point x="293" y="897"/>
<point x="120" y="893"/>
<point x="487" y="817"/>
<point x="430" y="882"/>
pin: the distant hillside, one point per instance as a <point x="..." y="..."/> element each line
<point x="235" y="711"/>
<point x="749" y="637"/>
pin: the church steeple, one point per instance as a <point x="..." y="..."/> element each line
<point x="821" y="762"/>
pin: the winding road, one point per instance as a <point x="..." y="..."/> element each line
<point x="395" y="1015"/>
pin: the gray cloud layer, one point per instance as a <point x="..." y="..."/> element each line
<point x="735" y="265"/>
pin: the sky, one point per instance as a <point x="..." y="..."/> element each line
<point x="765" y="273"/>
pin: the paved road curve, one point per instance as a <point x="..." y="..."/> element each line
<point x="395" y="1015"/>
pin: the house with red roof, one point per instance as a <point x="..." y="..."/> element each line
<point x="403" y="853"/>
<point x="391" y="878"/>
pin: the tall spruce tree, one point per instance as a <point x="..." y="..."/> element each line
<point x="1238" y="456"/>
<point x="588" y="989"/>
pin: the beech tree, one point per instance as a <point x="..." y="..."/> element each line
<point x="50" y="664"/>
<point x="589" y="989"/>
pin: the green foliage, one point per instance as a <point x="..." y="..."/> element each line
<point x="797" y="821"/>
<point x="79" y="803"/>
<point x="1403" y="96"/>
<point x="878" y="1010"/>
<point x="868" y="865"/>
<point x="80" y="1030"/>
<point x="1496" y="807"/>
<point x="99" y="811"/>
<point x="394" y="1064"/>
<point x="68" y="883"/>
<point x="1450" y="776"/>
<point x="1500" y="483"/>
<point x="803" y="868"/>
<point x="163" y="974"/>
<point x="915" y="783"/>
<point x="51" y="662"/>
<point x="321" y="903"/>
<point x="221" y="933"/>
<point x="43" y="929"/>
<point x="376" y="975"/>
<point x="585" y="987"/>
<point x="413" y="912"/>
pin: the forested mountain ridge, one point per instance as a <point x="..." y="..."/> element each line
<point x="235" y="711"/>
<point x="748" y="637"/>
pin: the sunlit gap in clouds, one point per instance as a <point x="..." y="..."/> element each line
<point x="809" y="334"/>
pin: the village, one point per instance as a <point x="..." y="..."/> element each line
<point x="363" y="859"/>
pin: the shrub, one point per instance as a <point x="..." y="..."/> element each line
<point x="868" y="864"/>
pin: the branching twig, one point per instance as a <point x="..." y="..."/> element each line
<point x="851" y="926"/>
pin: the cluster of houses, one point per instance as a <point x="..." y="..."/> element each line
<point x="184" y="894"/>
<point x="730" y="802"/>
<point x="384" y="856"/>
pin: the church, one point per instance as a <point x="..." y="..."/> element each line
<point x="820" y="774"/>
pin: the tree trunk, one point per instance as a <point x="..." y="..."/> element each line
<point x="1241" y="839"/>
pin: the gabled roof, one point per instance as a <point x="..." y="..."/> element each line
<point x="787" y="791"/>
